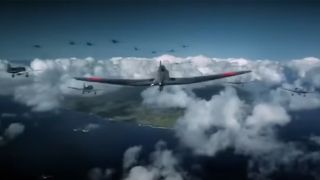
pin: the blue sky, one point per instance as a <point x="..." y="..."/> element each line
<point x="249" y="29"/>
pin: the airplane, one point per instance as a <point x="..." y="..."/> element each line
<point x="89" y="44"/>
<point x="154" y="52"/>
<point x="297" y="91"/>
<point x="86" y="89"/>
<point x="72" y="43"/>
<point x="19" y="70"/>
<point x="161" y="79"/>
<point x="36" y="46"/>
<point x="241" y="83"/>
<point x="171" y="51"/>
<point x="114" y="41"/>
<point x="184" y="46"/>
<point x="136" y="49"/>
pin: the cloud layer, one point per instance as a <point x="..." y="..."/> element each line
<point x="245" y="119"/>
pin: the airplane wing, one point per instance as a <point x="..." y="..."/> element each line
<point x="171" y="81"/>
<point x="75" y="88"/>
<point x="196" y="79"/>
<point x="98" y="90"/>
<point x="288" y="90"/>
<point x="239" y="83"/>
<point x="128" y="82"/>
<point x="304" y="92"/>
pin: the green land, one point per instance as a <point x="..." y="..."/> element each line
<point x="125" y="104"/>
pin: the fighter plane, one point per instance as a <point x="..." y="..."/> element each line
<point x="86" y="89"/>
<point x="36" y="46"/>
<point x="297" y="91"/>
<point x="136" y="49"/>
<point x="161" y="79"/>
<point x="184" y="46"/>
<point x="89" y="44"/>
<point x="19" y="70"/>
<point x="154" y="52"/>
<point x="114" y="41"/>
<point x="72" y="43"/>
<point x="171" y="51"/>
<point x="241" y="83"/>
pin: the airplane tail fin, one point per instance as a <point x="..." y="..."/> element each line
<point x="84" y="86"/>
<point x="8" y="67"/>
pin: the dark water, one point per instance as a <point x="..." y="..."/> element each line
<point x="50" y="146"/>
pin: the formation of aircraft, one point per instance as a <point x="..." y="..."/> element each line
<point x="161" y="79"/>
<point x="86" y="89"/>
<point x="299" y="92"/>
<point x="115" y="41"/>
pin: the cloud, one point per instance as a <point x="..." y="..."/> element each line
<point x="163" y="165"/>
<point x="315" y="139"/>
<point x="11" y="132"/>
<point x="14" y="130"/>
<point x="131" y="156"/>
<point x="98" y="174"/>
<point x="8" y="115"/>
<point x="46" y="89"/>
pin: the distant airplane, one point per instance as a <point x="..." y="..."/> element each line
<point x="114" y="41"/>
<point x="298" y="91"/>
<point x="171" y="51"/>
<point x="161" y="79"/>
<point x="19" y="70"/>
<point x="154" y="52"/>
<point x="136" y="49"/>
<point x="36" y="46"/>
<point x="242" y="83"/>
<point x="89" y="44"/>
<point x="72" y="43"/>
<point x="184" y="46"/>
<point x="86" y="89"/>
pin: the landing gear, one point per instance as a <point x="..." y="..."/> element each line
<point x="95" y="92"/>
<point x="27" y="74"/>
<point x="160" y="88"/>
<point x="12" y="75"/>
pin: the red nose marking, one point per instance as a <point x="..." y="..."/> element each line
<point x="94" y="79"/>
<point x="229" y="74"/>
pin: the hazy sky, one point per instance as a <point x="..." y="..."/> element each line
<point x="249" y="29"/>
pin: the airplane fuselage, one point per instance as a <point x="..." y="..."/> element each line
<point x="16" y="70"/>
<point x="88" y="89"/>
<point x="161" y="76"/>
